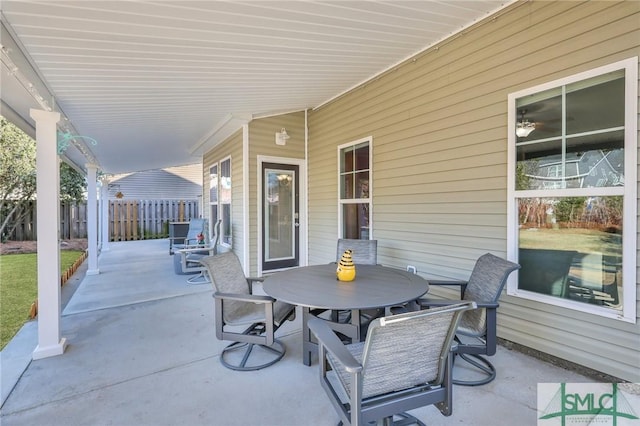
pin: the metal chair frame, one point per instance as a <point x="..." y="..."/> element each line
<point x="374" y="393"/>
<point x="262" y="315"/>
<point x="484" y="321"/>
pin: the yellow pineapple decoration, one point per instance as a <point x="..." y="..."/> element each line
<point x="346" y="269"/>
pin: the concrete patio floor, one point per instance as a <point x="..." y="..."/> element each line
<point x="142" y="351"/>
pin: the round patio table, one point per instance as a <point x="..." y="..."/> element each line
<point x="316" y="287"/>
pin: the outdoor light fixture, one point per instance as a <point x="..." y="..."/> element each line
<point x="282" y="136"/>
<point x="524" y="127"/>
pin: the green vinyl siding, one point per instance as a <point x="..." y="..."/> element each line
<point x="439" y="128"/>
<point x="262" y="142"/>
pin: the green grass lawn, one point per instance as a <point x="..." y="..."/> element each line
<point x="19" y="289"/>
<point x="582" y="240"/>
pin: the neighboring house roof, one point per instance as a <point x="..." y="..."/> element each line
<point x="595" y="168"/>
<point x="182" y="182"/>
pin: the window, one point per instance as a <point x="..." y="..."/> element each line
<point x="220" y="198"/>
<point x="355" y="189"/>
<point x="225" y="202"/>
<point x="572" y="191"/>
<point x="213" y="195"/>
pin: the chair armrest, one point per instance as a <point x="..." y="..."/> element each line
<point x="195" y="249"/>
<point x="490" y="305"/>
<point x="251" y="280"/>
<point x="460" y="283"/>
<point x="255" y="298"/>
<point x="448" y="282"/>
<point x="434" y="303"/>
<point x="327" y="338"/>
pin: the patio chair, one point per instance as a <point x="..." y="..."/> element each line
<point x="365" y="252"/>
<point x="196" y="226"/>
<point x="187" y="260"/>
<point x="476" y="334"/>
<point x="404" y="363"/>
<point x="236" y="305"/>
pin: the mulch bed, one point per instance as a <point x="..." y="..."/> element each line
<point x="17" y="247"/>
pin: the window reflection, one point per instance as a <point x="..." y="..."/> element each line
<point x="571" y="248"/>
<point x="582" y="169"/>
<point x="585" y="115"/>
<point x="355" y="221"/>
<point x="569" y="185"/>
<point x="578" y="141"/>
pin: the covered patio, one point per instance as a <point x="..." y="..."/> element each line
<point x="431" y="106"/>
<point x="142" y="350"/>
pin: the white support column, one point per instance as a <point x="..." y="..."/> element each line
<point x="92" y="219"/>
<point x="50" y="343"/>
<point x="100" y="215"/>
<point x="104" y="216"/>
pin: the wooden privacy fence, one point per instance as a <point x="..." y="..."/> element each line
<point x="128" y="219"/>
<point x="147" y="219"/>
<point x="73" y="222"/>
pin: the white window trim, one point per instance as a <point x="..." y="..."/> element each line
<point x="228" y="245"/>
<point x="629" y="249"/>
<point x="357" y="200"/>
<point x="211" y="203"/>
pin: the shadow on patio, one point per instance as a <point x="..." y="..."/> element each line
<point x="142" y="351"/>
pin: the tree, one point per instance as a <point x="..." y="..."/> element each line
<point x="570" y="209"/>
<point x="18" y="177"/>
<point x="72" y="184"/>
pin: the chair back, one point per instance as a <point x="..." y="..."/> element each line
<point x="216" y="236"/>
<point x="227" y="276"/>
<point x="196" y="226"/>
<point x="545" y="271"/>
<point x="485" y="284"/>
<point x="365" y="252"/>
<point x="407" y="350"/>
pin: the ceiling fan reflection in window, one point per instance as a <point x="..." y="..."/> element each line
<point x="524" y="127"/>
<point x="544" y="121"/>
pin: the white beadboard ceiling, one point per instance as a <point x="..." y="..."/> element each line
<point x="156" y="82"/>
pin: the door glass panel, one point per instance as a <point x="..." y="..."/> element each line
<point x="279" y="214"/>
